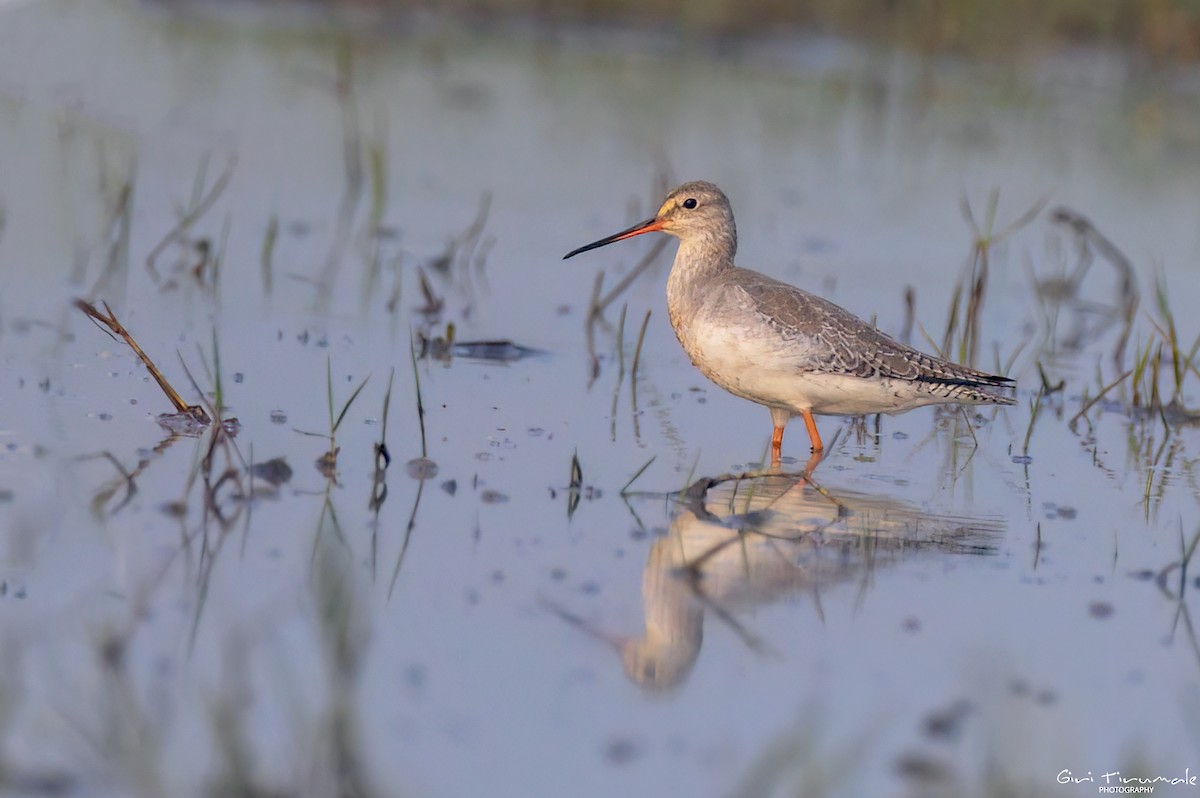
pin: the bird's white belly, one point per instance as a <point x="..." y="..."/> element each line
<point x="764" y="370"/>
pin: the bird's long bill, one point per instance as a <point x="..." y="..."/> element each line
<point x="648" y="226"/>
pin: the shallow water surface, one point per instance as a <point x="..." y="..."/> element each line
<point x="964" y="603"/>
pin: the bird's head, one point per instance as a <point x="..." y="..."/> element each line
<point x="692" y="211"/>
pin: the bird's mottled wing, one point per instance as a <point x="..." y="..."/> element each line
<point x="837" y="341"/>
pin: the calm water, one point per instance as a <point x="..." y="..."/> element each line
<point x="991" y="608"/>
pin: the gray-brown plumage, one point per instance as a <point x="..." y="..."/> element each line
<point x="779" y="346"/>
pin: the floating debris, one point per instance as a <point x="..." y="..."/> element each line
<point x="185" y="423"/>
<point x="1053" y="510"/>
<point x="946" y="724"/>
<point x="421" y="468"/>
<point x="494" y="350"/>
<point x="327" y="463"/>
<point x="274" y="472"/>
<point x="621" y="751"/>
<point x="278" y="417"/>
<point x="924" y="769"/>
<point x="445" y="348"/>
<point x="490" y="496"/>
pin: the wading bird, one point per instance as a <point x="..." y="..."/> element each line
<point x="779" y="346"/>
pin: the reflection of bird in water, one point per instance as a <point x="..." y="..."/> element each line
<point x="737" y="543"/>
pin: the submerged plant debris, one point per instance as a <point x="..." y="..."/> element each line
<point x="189" y="419"/>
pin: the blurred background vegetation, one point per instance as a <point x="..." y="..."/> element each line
<point x="1159" y="30"/>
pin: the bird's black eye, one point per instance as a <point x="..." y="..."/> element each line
<point x="689" y="203"/>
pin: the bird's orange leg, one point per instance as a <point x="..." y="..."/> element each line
<point x="813" y="434"/>
<point x="777" y="447"/>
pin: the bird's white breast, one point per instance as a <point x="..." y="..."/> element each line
<point x="750" y="361"/>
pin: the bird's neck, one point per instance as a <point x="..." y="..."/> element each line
<point x="697" y="264"/>
<point x="703" y="256"/>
